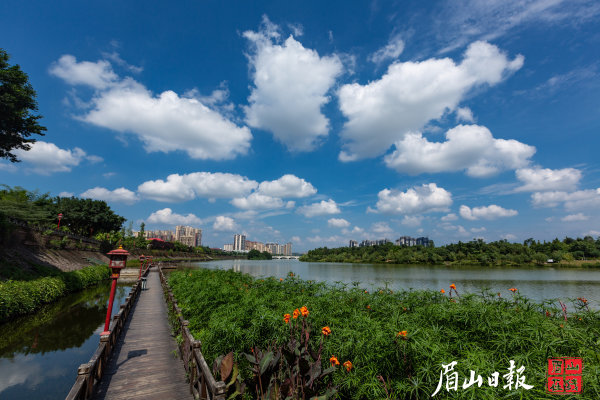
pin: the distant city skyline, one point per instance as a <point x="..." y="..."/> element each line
<point x="318" y="123"/>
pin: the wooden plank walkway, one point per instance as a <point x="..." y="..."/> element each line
<point x="145" y="363"/>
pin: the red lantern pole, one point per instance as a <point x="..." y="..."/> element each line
<point x="118" y="259"/>
<point x="59" y="218"/>
<point x="142" y="262"/>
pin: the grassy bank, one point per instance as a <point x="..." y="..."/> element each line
<point x="396" y="341"/>
<point x="18" y="297"/>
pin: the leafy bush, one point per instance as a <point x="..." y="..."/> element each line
<point x="22" y="297"/>
<point x="397" y="342"/>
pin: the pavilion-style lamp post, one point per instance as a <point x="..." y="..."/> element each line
<point x="118" y="258"/>
<point x="142" y="262"/>
<point x="59" y="218"/>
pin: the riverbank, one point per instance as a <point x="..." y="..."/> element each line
<point x="396" y="341"/>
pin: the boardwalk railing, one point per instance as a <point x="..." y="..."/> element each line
<point x="90" y="373"/>
<point x="203" y="385"/>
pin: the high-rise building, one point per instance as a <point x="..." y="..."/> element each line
<point x="228" y="247"/>
<point x="353" y="243"/>
<point x="287" y="249"/>
<point x="188" y="236"/>
<point x="239" y="242"/>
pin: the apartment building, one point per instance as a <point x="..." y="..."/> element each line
<point x="239" y="242"/>
<point x="188" y="235"/>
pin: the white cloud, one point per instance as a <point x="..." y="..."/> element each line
<point x="467" y="147"/>
<point x="464" y="114"/>
<point x="545" y="179"/>
<point x="287" y="186"/>
<point x="417" y="200"/>
<point x="575" y="218"/>
<point x="412" y="220"/>
<point x="166" y="216"/>
<point x="390" y="51"/>
<point x="120" y="195"/>
<point x="296" y="239"/>
<point x="509" y="236"/>
<point x="164" y="123"/>
<point x="197" y="184"/>
<point x="478" y="230"/>
<point x="486" y="212"/>
<point x="318" y="209"/>
<point x="45" y="158"/>
<point x="290" y="86"/>
<point x="579" y="200"/>
<point x="257" y="201"/>
<point x="98" y="75"/>
<point x="381" y="228"/>
<point x="411" y="94"/>
<point x="449" y="217"/>
<point x="66" y="194"/>
<point x="338" y="223"/>
<point x="224" y="224"/>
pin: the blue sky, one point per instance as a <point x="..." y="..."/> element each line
<point x="316" y="122"/>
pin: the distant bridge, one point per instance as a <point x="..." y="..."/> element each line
<point x="286" y="257"/>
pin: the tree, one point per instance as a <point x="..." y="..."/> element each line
<point x="17" y="104"/>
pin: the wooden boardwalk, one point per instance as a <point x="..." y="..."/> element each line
<point x="145" y="363"/>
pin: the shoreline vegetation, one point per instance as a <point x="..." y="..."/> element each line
<point x="568" y="252"/>
<point x="285" y="335"/>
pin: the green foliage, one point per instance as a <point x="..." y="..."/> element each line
<point x="22" y="297"/>
<point x="17" y="104"/>
<point x="257" y="255"/>
<point x="229" y="311"/>
<point x="475" y="252"/>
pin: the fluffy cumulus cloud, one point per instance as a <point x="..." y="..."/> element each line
<point x="324" y="207"/>
<point x="290" y="87"/>
<point x="166" y="216"/>
<point x="197" y="184"/>
<point x="417" y="200"/>
<point x="224" y="224"/>
<point x="287" y="186"/>
<point x="120" y="195"/>
<point x="467" y="147"/>
<point x="257" y="201"/>
<point x="545" y="179"/>
<point x="464" y="114"/>
<point x="575" y="218"/>
<point x="338" y="223"/>
<point x="165" y="122"/>
<point x="97" y="74"/>
<point x="574" y="201"/>
<point x="381" y="228"/>
<point x="410" y="94"/>
<point x="412" y="220"/>
<point x="390" y="51"/>
<point x="45" y="158"/>
<point x="485" y="212"/>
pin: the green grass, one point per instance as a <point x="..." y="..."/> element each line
<point x="232" y="311"/>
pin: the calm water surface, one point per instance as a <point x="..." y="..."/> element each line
<point x="40" y="353"/>
<point x="536" y="283"/>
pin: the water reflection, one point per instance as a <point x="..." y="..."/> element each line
<point x="538" y="284"/>
<point x="40" y="353"/>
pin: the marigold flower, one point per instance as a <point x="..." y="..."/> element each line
<point x="348" y="366"/>
<point x="368" y="307"/>
<point x="326" y="330"/>
<point x="512" y="289"/>
<point x="304" y="311"/>
<point x="402" y="333"/>
<point x="452" y="286"/>
<point x="582" y="299"/>
<point x="286" y="318"/>
<point x="442" y="291"/>
<point x="296" y="313"/>
<point x="280" y="279"/>
<point x="334" y="361"/>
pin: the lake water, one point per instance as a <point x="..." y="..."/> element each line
<point x="40" y="353"/>
<point x="535" y="283"/>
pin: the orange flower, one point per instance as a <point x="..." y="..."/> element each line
<point x="442" y="291"/>
<point x="280" y="279"/>
<point x="547" y="313"/>
<point x="286" y="318"/>
<point x="366" y="291"/>
<point x="296" y="313"/>
<point x="452" y="286"/>
<point x="402" y="333"/>
<point x="368" y="307"/>
<point x="348" y="366"/>
<point x="326" y="330"/>
<point x="334" y="361"/>
<point x="304" y="311"/>
<point x="512" y="289"/>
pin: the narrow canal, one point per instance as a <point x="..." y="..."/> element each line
<point x="40" y="353"/>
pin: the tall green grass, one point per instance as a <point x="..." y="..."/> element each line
<point x="23" y="297"/>
<point x="482" y="332"/>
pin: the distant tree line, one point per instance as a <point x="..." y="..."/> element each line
<point x="476" y="252"/>
<point x="259" y="255"/>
